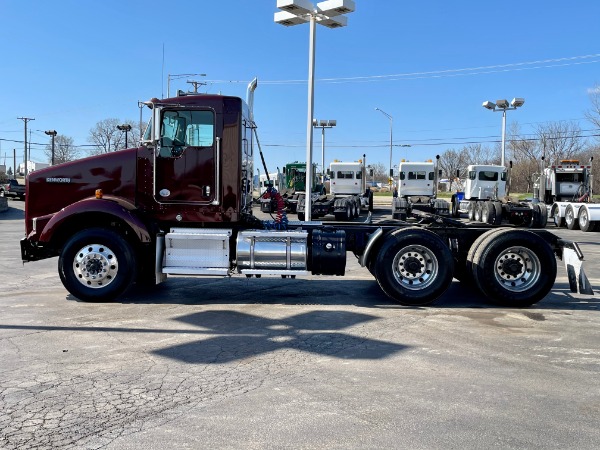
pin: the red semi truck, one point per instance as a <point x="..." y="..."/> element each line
<point x="181" y="203"/>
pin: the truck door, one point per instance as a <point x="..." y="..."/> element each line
<point x="185" y="163"/>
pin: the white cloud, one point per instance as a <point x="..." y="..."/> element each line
<point x="594" y="90"/>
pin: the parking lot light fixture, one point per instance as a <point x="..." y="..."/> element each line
<point x="330" y="14"/>
<point x="53" y="134"/>
<point x="125" y="128"/>
<point x="322" y="124"/>
<point x="391" y="142"/>
<point x="503" y="105"/>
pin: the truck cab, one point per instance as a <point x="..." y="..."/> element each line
<point x="347" y="178"/>
<point x="416" y="179"/>
<point x="485" y="182"/>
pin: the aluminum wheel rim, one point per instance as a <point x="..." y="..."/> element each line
<point x="583" y="218"/>
<point x="95" y="266"/>
<point x="569" y="216"/>
<point x="517" y="269"/>
<point x="556" y="217"/>
<point x="415" y="267"/>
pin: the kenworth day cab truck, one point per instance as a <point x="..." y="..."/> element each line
<point x="181" y="203"/>
<point x="348" y="193"/>
<point x="567" y="186"/>
<point x="417" y="190"/>
<point x="485" y="199"/>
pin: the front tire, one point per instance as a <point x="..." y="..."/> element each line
<point x="97" y="264"/>
<point x="414" y="266"/>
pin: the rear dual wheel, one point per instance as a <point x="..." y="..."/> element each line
<point x="414" y="266"/>
<point x="584" y="220"/>
<point x="570" y="219"/>
<point x="513" y="267"/>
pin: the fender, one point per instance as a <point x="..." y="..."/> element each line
<point x="111" y="206"/>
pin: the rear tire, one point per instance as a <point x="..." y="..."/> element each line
<point x="414" y="266"/>
<point x="349" y="211"/>
<point x="455" y="212"/>
<point x="514" y="268"/>
<point x="571" y="221"/>
<point x="471" y="211"/>
<point x="97" y="264"/>
<point x="584" y="220"/>
<point x="558" y="221"/>
<point x="488" y="213"/>
<point x="477" y="212"/>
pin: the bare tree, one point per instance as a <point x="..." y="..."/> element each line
<point x="478" y="154"/>
<point x="525" y="154"/>
<point x="380" y="173"/>
<point x="64" y="150"/>
<point x="593" y="114"/>
<point x="452" y="161"/>
<point x="108" y="138"/>
<point x="560" y="140"/>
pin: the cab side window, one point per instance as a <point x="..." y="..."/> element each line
<point x="182" y="129"/>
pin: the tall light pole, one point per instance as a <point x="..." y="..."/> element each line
<point x="53" y="134"/>
<point x="502" y="105"/>
<point x="322" y="124"/>
<point x="391" y="142"/>
<point x="330" y="14"/>
<point x="126" y="128"/>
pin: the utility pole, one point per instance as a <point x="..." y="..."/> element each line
<point x="25" y="119"/>
<point x="53" y="134"/>
<point x="196" y="84"/>
<point x="14" y="163"/>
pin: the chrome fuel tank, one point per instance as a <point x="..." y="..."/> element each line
<point x="272" y="252"/>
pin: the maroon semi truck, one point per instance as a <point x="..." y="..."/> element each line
<point x="181" y="203"/>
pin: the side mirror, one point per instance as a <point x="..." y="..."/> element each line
<point x="328" y="172"/>
<point x="391" y="173"/>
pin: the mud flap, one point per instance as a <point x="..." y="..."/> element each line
<point x="578" y="281"/>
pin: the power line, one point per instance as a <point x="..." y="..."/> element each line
<point x="443" y="73"/>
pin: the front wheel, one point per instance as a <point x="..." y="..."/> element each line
<point x="414" y="266"/>
<point x="97" y="264"/>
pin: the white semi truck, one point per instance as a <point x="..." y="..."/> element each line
<point x="568" y="187"/>
<point x="485" y="199"/>
<point x="348" y="193"/>
<point x="417" y="190"/>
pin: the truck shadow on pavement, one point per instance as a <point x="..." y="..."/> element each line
<point x="239" y="336"/>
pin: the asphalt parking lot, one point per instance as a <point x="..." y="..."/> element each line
<point x="317" y="362"/>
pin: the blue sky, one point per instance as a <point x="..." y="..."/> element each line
<point x="72" y="63"/>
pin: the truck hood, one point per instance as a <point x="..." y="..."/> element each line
<point x="51" y="189"/>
